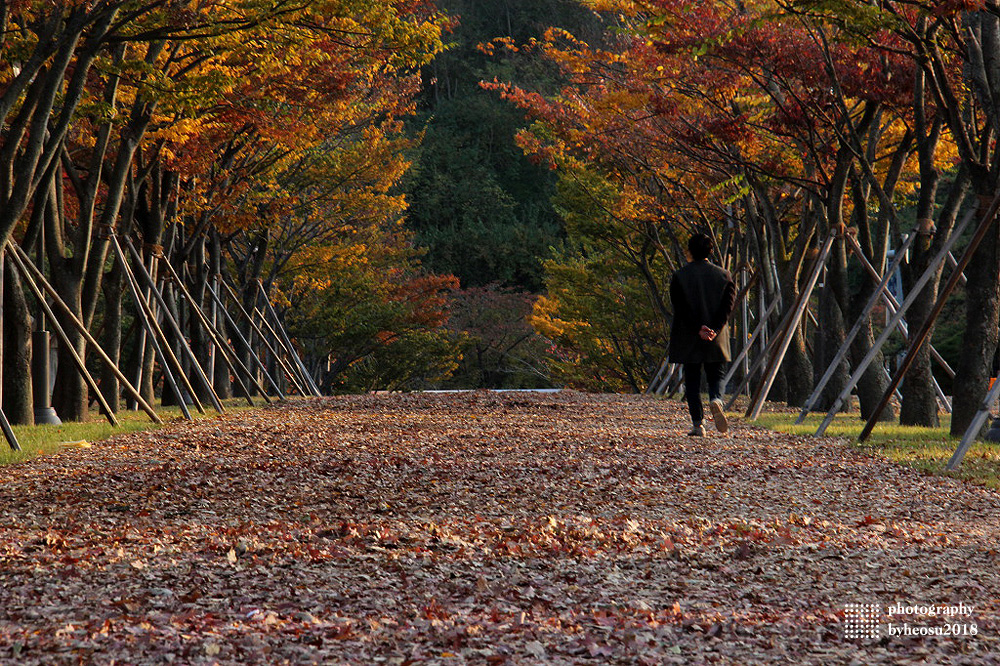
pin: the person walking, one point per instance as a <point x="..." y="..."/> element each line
<point x="703" y="297"/>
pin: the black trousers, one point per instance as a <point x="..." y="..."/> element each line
<point x="714" y="372"/>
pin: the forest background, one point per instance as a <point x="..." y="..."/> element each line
<point x="494" y="194"/>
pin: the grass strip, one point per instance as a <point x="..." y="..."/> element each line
<point x="39" y="440"/>
<point x="924" y="449"/>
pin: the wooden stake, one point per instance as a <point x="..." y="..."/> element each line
<point x="260" y="332"/>
<point x="921" y="336"/>
<point x="153" y="331"/>
<point x="61" y="333"/>
<point x="169" y="318"/>
<point x="978" y="421"/>
<point x="891" y="326"/>
<point x="215" y="334"/>
<point x="289" y="347"/>
<point x="757" y="403"/>
<point x="239" y="334"/>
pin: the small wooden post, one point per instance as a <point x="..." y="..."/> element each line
<point x="50" y="290"/>
<point x="61" y="333"/>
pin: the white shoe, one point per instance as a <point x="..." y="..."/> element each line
<point x="697" y="431"/>
<point x="719" y="416"/>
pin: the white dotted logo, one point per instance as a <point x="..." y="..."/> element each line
<point x="862" y="621"/>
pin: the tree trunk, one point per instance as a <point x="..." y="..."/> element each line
<point x="70" y="395"/>
<point x="980" y="339"/>
<point x="831" y="333"/>
<point x="874" y="381"/>
<point x="919" y="406"/>
<point x="223" y="382"/>
<point x="113" y="289"/>
<point x="17" y="401"/>
<point x="797" y="371"/>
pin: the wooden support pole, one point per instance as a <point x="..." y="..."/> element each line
<point x="757" y="403"/>
<point x="855" y="331"/>
<point x="8" y="432"/>
<point x="651" y="386"/>
<point x="236" y="331"/>
<point x="216" y="336"/>
<point x="891" y="326"/>
<point x="918" y="340"/>
<point x="300" y="382"/>
<point x="169" y="318"/>
<point x="763" y="357"/>
<point x="154" y="333"/>
<point x="954" y="262"/>
<point x="287" y="343"/>
<point x="140" y="351"/>
<point x="63" y="338"/>
<point x="745" y="339"/>
<point x="978" y="421"/>
<point x="129" y="387"/>
<point x="278" y="358"/>
<point x="677" y="381"/>
<point x="745" y="352"/>
<point x="260" y="332"/>
<point x="891" y="300"/>
<point x="674" y="371"/>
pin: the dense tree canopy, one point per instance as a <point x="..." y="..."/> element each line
<point x="413" y="184"/>
<point x="771" y="125"/>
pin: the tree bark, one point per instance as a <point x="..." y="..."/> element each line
<point x="980" y="339"/>
<point x="831" y="334"/>
<point x="17" y="388"/>
<point x="223" y="381"/>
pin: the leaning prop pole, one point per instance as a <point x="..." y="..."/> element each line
<point x="216" y="336"/>
<point x="745" y="351"/>
<point x="301" y="383"/>
<point x="8" y="432"/>
<point x="287" y="343"/>
<point x="664" y="382"/>
<point x="263" y="338"/>
<point x="154" y="333"/>
<point x="768" y="345"/>
<point x="175" y="327"/>
<point x="974" y="427"/>
<point x="855" y="330"/>
<point x="891" y="326"/>
<point x="246" y="343"/>
<point x="892" y="305"/>
<point x="61" y="334"/>
<point x="129" y="387"/>
<point x="918" y="340"/>
<point x="651" y="386"/>
<point x="288" y="370"/>
<point x="774" y="364"/>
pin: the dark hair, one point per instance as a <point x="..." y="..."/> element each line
<point x="700" y="246"/>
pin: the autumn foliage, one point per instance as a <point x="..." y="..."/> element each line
<point x="768" y="125"/>
<point x="246" y="138"/>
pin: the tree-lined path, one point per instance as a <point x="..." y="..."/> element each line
<point x="483" y="528"/>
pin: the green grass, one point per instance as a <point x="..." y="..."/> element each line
<point x="45" y="439"/>
<point x="925" y="449"/>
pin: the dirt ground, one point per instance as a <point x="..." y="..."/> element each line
<point x="490" y="528"/>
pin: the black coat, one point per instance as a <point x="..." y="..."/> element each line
<point x="703" y="295"/>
